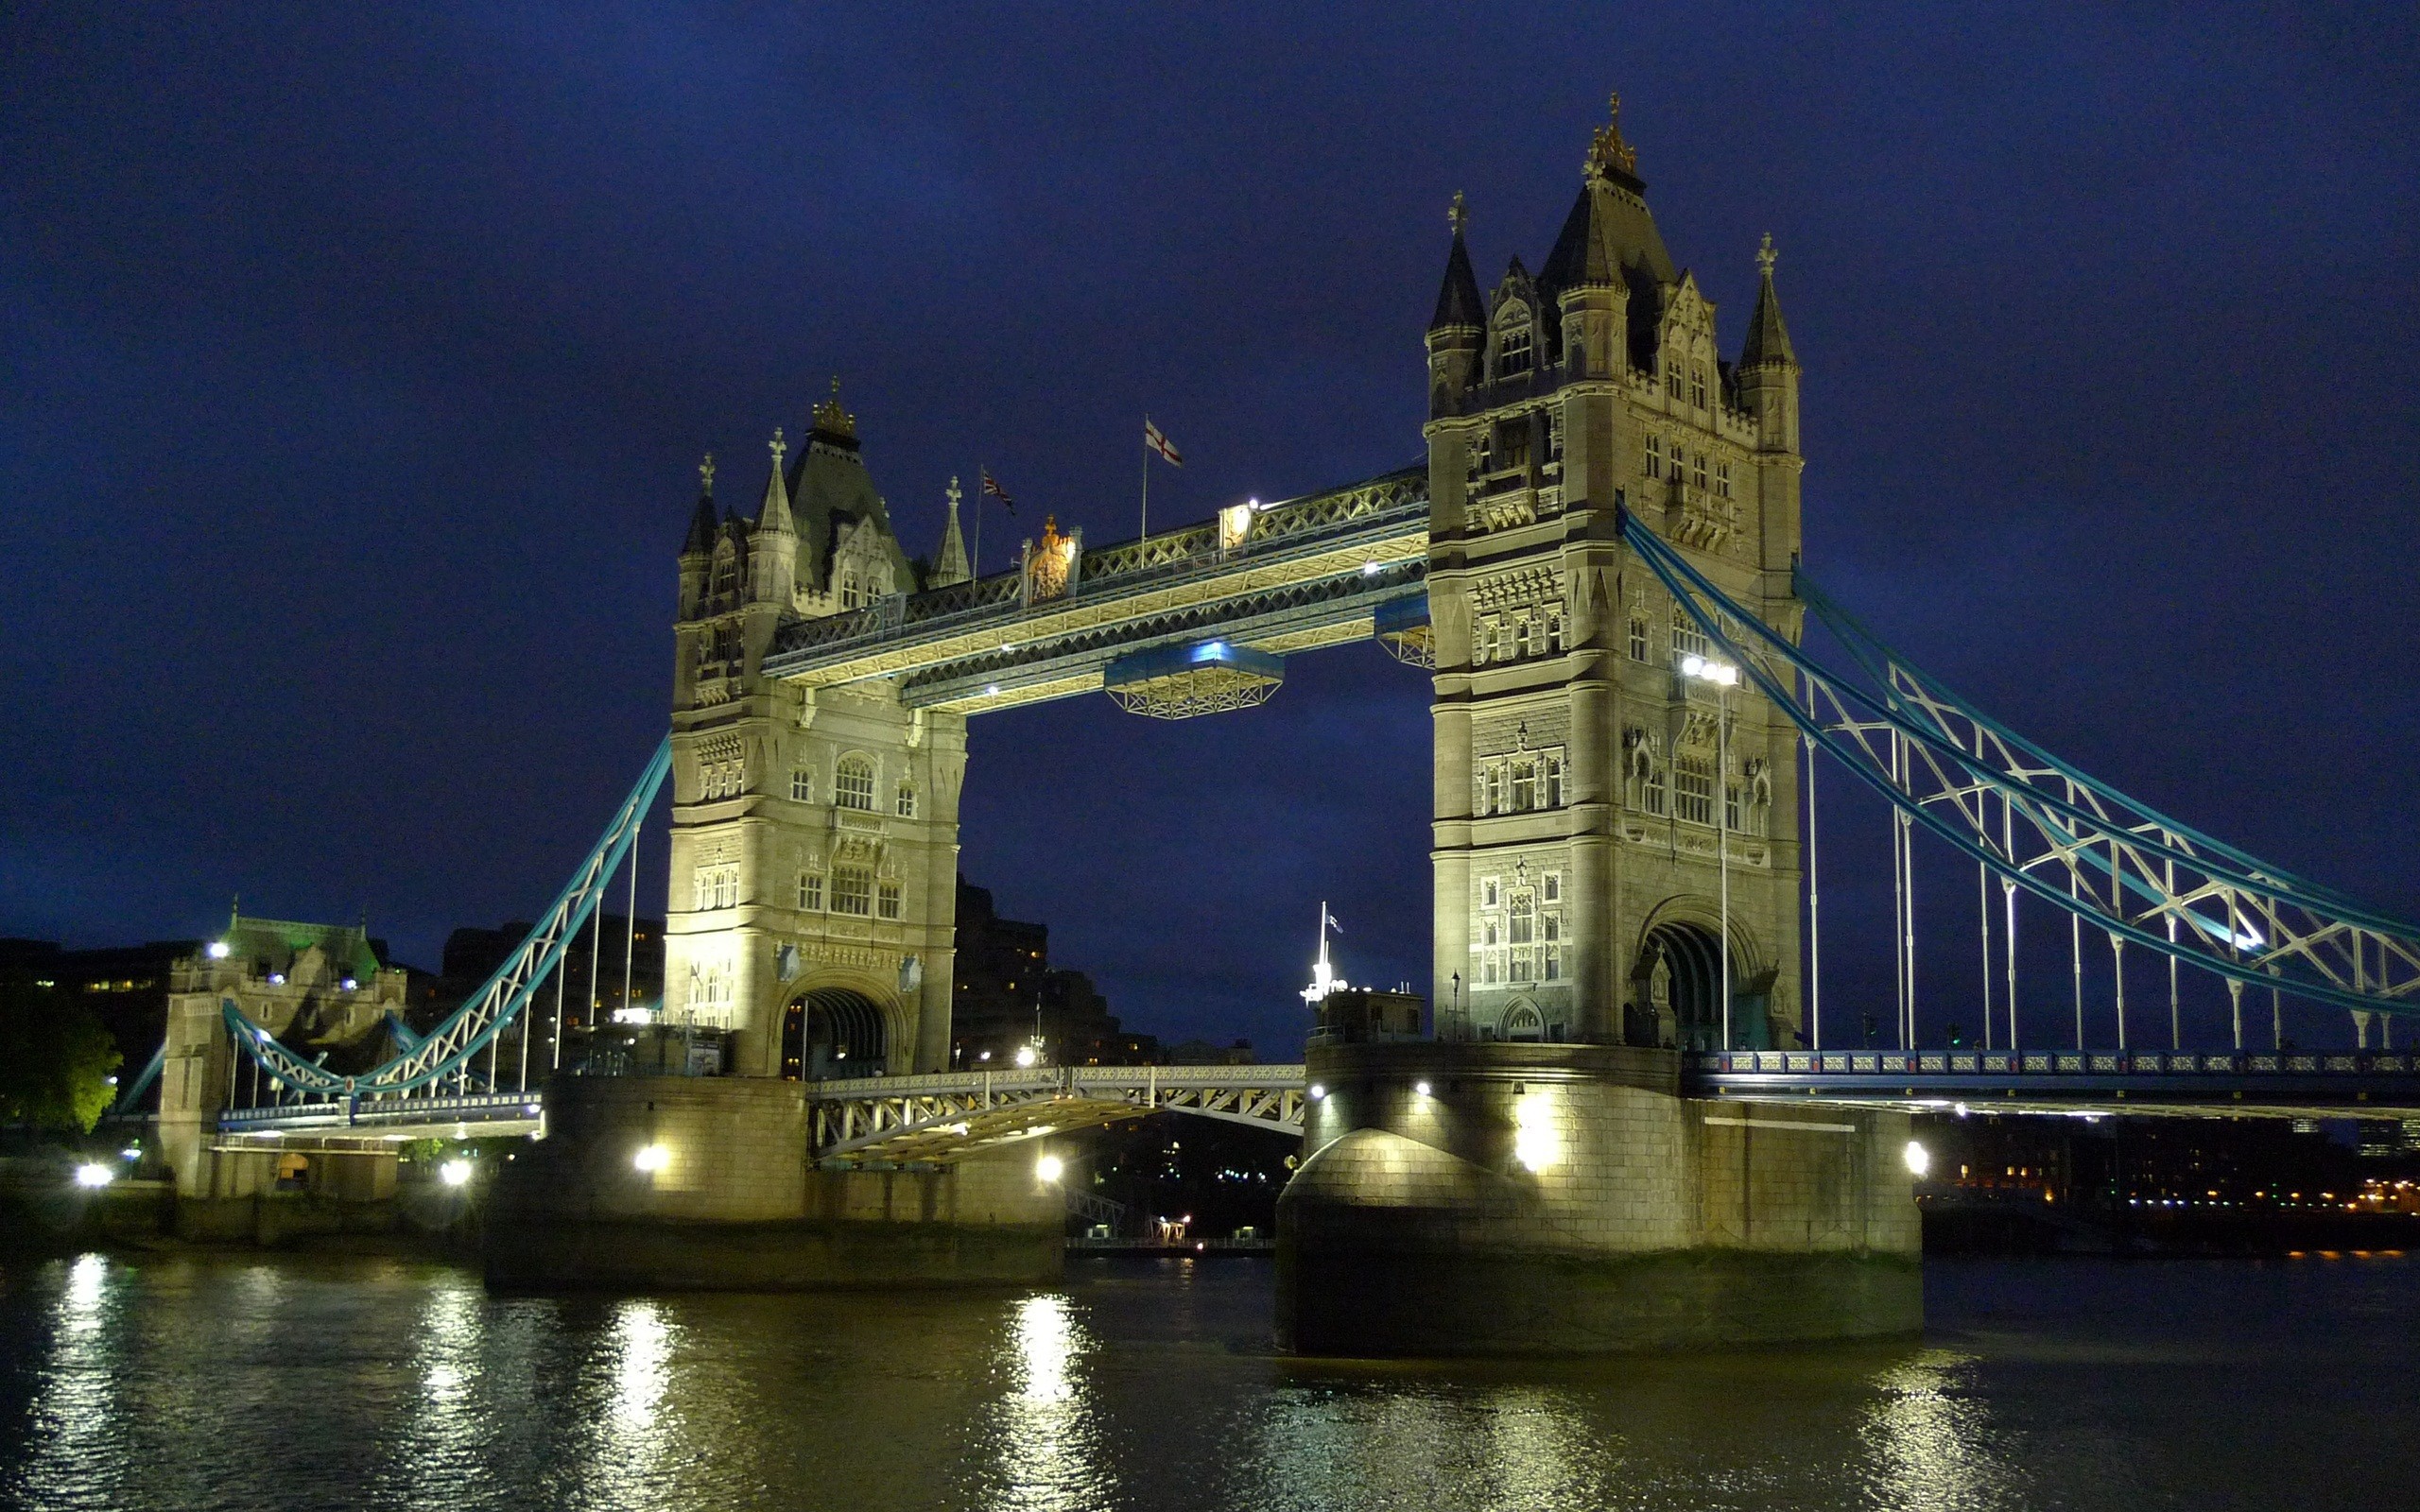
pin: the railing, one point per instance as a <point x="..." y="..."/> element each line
<point x="2053" y="1063"/>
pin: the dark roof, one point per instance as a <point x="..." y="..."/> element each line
<point x="1457" y="301"/>
<point x="1768" y="338"/>
<point x="702" y="526"/>
<point x="1609" y="232"/>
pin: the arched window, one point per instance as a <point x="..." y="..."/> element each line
<point x="906" y="806"/>
<point x="1697" y="385"/>
<point x="1722" y="480"/>
<point x="1551" y="782"/>
<point x="810" y="892"/>
<point x="1671" y="379"/>
<point x="802" y="786"/>
<point x="853" y="784"/>
<point x="852" y="890"/>
<point x="1637" y="636"/>
<point x="1693" y="789"/>
<point x="1697" y="470"/>
<point x="1688" y="640"/>
<point x="1654" y="455"/>
<point x="1650" y="789"/>
<point x="1513" y="339"/>
<point x="886" y="901"/>
<point x="1525" y="786"/>
<point x="726" y="572"/>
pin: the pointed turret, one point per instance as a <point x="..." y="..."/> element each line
<point x="1460" y="321"/>
<point x="774" y="513"/>
<point x="1768" y="338"/>
<point x="702" y="519"/>
<point x="1609" y="243"/>
<point x="949" y="565"/>
<point x="1458" y="301"/>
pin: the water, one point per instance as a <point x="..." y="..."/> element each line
<point x="283" y="1383"/>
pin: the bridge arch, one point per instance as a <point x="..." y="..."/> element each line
<point x="837" y="1030"/>
<point x="1676" y="981"/>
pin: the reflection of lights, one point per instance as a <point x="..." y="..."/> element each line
<point x="651" y="1157"/>
<point x="92" y="1173"/>
<point x="1533" y="1138"/>
<point x="1049" y="1169"/>
<point x="454" y="1173"/>
<point x="1045" y="1342"/>
<point x="1919" y="1158"/>
<point x="644" y="1343"/>
<point x="218" y="949"/>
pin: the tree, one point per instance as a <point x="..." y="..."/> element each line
<point x="55" y="1060"/>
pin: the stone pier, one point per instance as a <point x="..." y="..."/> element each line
<point x="1509" y="1199"/>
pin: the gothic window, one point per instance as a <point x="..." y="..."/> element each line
<point x="1693" y="789"/>
<point x="1551" y="781"/>
<point x="1637" y="636"/>
<point x="852" y="890"/>
<point x="1525" y="786"/>
<point x="1523" y="967"/>
<point x="1553" y="888"/>
<point x="710" y="984"/>
<point x="1523" y="917"/>
<point x="1549" y="963"/>
<point x="1493" y="805"/>
<point x="853" y="785"/>
<point x="1722" y="480"/>
<point x="1554" y="626"/>
<point x="886" y="901"/>
<point x="1688" y="640"/>
<point x="1487" y="933"/>
<point x="1482" y="444"/>
<point x="715" y="888"/>
<point x="727" y="888"/>
<point x="1697" y="385"/>
<point x="1513" y="343"/>
<point x="1654" y="455"/>
<point x="1697" y="470"/>
<point x="1487" y="893"/>
<point x="1731" y="805"/>
<point x="810" y="892"/>
<point x="802" y="786"/>
<point x="1650" y="789"/>
<point x="1671" y="379"/>
<point x="726" y="573"/>
<point x="1554" y="435"/>
<point x="906" y="806"/>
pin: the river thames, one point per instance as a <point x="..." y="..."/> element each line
<point x="137" y="1383"/>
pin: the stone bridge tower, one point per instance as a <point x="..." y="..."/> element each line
<point x="1581" y="779"/>
<point x="814" y="834"/>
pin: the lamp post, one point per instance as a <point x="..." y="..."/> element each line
<point x="1458" y="1005"/>
<point x="1722" y="675"/>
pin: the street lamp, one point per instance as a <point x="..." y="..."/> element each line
<point x="1724" y="677"/>
<point x="1460" y="1028"/>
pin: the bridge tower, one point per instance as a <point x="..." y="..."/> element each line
<point x="1587" y="792"/>
<point x="814" y="831"/>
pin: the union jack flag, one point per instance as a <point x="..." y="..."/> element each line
<point x="1157" y="440"/>
<point x="991" y="486"/>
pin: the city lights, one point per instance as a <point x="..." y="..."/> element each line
<point x="93" y="1175"/>
<point x="454" y="1173"/>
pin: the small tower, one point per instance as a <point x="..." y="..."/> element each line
<point x="949" y="566"/>
<point x="1460" y="320"/>
<point x="1769" y="392"/>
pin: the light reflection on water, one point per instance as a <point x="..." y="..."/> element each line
<point x="152" y="1384"/>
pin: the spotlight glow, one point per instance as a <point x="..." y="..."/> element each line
<point x="92" y="1175"/>
<point x="1919" y="1158"/>
<point x="1049" y="1169"/>
<point x="218" y="951"/>
<point x="454" y="1173"/>
<point x="651" y="1157"/>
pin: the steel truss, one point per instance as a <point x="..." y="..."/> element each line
<point x="945" y="1117"/>
<point x="2058" y="833"/>
<point x="447" y="1050"/>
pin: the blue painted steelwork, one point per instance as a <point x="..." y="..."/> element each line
<point x="1170" y="661"/>
<point x="447" y="1049"/>
<point x="1396" y="615"/>
<point x="132" y="1095"/>
<point x="2231" y="914"/>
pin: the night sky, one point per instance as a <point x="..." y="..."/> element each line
<point x="353" y="369"/>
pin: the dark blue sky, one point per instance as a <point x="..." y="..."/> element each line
<point x="353" y="368"/>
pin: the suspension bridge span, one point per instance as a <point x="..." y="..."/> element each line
<point x="1634" y="1117"/>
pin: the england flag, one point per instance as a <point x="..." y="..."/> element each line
<point x="1158" y="441"/>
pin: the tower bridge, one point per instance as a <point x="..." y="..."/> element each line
<point x="1601" y="1144"/>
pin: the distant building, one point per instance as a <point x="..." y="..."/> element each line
<point x="1202" y="1052"/>
<point x="473" y="955"/>
<point x="1356" y="1015"/>
<point x="1007" y="994"/>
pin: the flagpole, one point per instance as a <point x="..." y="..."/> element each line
<point x="981" y="473"/>
<point x="1146" y="475"/>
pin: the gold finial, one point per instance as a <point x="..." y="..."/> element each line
<point x="1457" y="214"/>
<point x="706" y="474"/>
<point x="831" y="419"/>
<point x="779" y="446"/>
<point x="1607" y="150"/>
<point x="1767" y="257"/>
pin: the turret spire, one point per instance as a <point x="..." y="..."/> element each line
<point x="1457" y="301"/>
<point x="1768" y="338"/>
<point x="775" y="513"/>
<point x="702" y="519"/>
<point x="949" y="566"/>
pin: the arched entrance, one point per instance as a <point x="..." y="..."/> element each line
<point x="1679" y="991"/>
<point x="832" y="1033"/>
<point x="1523" y="1023"/>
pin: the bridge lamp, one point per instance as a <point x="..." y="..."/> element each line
<point x="454" y="1173"/>
<point x="651" y="1157"/>
<point x="1919" y="1159"/>
<point x="217" y="949"/>
<point x="93" y="1176"/>
<point x="1027" y="1055"/>
<point x="1049" y="1169"/>
<point x="1318" y="1091"/>
<point x="1420" y="1088"/>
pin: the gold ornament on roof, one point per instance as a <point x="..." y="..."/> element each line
<point x="831" y="419"/>
<point x="1608" y="150"/>
<point x="1457" y="214"/>
<point x="1767" y="257"/>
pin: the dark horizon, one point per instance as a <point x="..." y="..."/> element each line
<point x="361" y="365"/>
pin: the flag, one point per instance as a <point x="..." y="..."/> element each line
<point x="1334" y="925"/>
<point x="1157" y="441"/>
<point x="991" y="486"/>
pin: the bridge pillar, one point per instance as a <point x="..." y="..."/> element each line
<point x="1491" y="1199"/>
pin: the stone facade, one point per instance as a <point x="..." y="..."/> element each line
<point x="1579" y="814"/>
<point x="813" y="854"/>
